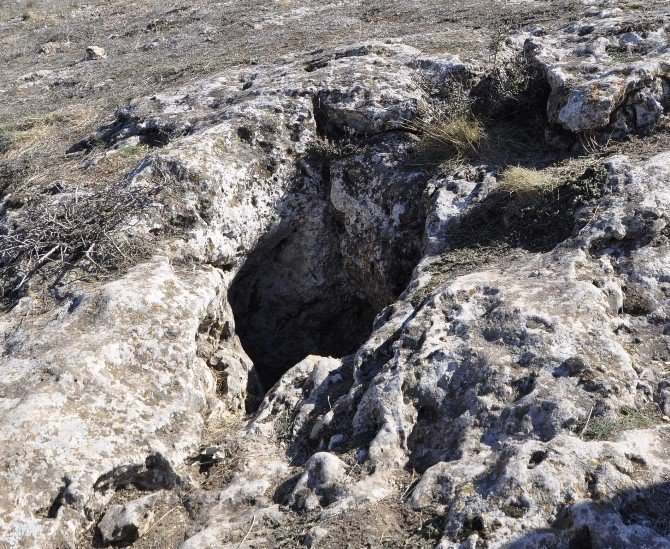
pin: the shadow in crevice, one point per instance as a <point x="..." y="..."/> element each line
<point x="536" y="223"/>
<point x="313" y="285"/>
<point x="293" y="298"/>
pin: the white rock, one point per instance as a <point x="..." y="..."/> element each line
<point x="128" y="522"/>
<point x="95" y="52"/>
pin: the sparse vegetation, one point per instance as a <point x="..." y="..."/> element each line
<point x="527" y="185"/>
<point x="168" y="73"/>
<point x="514" y="85"/>
<point x="52" y="237"/>
<point x="133" y="151"/>
<point x="283" y="424"/>
<point x="446" y="136"/>
<point x="625" y="419"/>
<point x="649" y="507"/>
<point x="502" y="221"/>
<point x="335" y="149"/>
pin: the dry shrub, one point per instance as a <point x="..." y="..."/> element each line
<point x="53" y="236"/>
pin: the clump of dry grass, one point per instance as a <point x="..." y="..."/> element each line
<point x="524" y="191"/>
<point x="526" y="184"/>
<point x="445" y="137"/>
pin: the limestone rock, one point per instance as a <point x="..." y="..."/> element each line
<point x="95" y="52"/>
<point x="604" y="75"/>
<point x="128" y="522"/>
<point x="301" y="252"/>
<point x="321" y="483"/>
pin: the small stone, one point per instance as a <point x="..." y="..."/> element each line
<point x="214" y="453"/>
<point x="315" y="536"/>
<point x="335" y="440"/>
<point x="665" y="418"/>
<point x="321" y="484"/>
<point x="128" y="522"/>
<point x="95" y="52"/>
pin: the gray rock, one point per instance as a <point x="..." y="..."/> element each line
<point x="296" y="229"/>
<point x="321" y="484"/>
<point x="604" y="79"/>
<point x="128" y="522"/>
<point x="315" y="536"/>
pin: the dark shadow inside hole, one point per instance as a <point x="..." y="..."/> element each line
<point x="294" y="298"/>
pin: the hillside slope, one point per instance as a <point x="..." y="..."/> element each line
<point x="270" y="285"/>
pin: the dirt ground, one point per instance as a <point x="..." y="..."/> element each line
<point x="50" y="97"/>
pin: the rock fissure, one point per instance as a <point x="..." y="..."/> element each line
<point x="295" y="296"/>
<point x="425" y="339"/>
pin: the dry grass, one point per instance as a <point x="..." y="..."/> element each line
<point x="445" y="138"/>
<point x="526" y="184"/>
<point x="626" y="419"/>
<point x="52" y="237"/>
<point x="524" y="191"/>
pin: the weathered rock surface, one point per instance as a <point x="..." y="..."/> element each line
<point x="303" y="252"/>
<point x="127" y="523"/>
<point x="608" y="73"/>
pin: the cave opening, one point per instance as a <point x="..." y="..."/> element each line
<point x="293" y="298"/>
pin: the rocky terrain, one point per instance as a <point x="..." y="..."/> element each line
<point x="265" y="296"/>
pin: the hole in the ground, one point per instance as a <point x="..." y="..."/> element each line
<point x="293" y="298"/>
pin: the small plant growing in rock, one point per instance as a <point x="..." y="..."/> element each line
<point x="336" y="149"/>
<point x="626" y="419"/>
<point x="514" y="86"/>
<point x="133" y="151"/>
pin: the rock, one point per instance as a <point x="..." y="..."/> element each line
<point x="35" y="76"/>
<point x="95" y="52"/>
<point x="321" y="483"/>
<point x="386" y="315"/>
<point x="596" y="83"/>
<point x="214" y="453"/>
<point x="53" y="47"/>
<point x="128" y="522"/>
<point x="315" y="536"/>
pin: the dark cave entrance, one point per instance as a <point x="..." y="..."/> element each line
<point x="293" y="297"/>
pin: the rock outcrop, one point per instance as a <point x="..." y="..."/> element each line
<point x="402" y="335"/>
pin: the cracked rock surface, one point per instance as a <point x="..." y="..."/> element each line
<point x="333" y="343"/>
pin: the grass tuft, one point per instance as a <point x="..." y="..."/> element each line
<point x="526" y="184"/>
<point x="444" y="138"/>
<point x="626" y="419"/>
